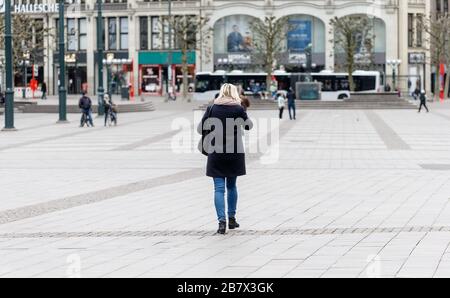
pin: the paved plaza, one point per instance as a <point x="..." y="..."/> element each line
<point x="352" y="194"/>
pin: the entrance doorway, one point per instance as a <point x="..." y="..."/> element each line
<point x="76" y="77"/>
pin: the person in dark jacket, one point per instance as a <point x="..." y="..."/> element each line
<point x="226" y="119"/>
<point x="44" y="90"/>
<point x="423" y="101"/>
<point x="291" y="104"/>
<point x="85" y="104"/>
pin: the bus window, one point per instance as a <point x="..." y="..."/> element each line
<point x="342" y="84"/>
<point x="204" y="83"/>
<point x="365" y="83"/>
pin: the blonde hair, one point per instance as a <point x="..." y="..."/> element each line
<point x="229" y="91"/>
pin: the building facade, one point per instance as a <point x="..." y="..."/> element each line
<point x="137" y="47"/>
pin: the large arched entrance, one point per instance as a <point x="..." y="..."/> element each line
<point x="371" y="57"/>
<point x="305" y="44"/>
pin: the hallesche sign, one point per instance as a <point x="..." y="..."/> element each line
<point x="31" y="8"/>
<point x="36" y="8"/>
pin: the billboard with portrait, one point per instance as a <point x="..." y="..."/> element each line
<point x="300" y="35"/>
<point x="232" y="34"/>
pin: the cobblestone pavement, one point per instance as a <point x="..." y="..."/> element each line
<point x="353" y="194"/>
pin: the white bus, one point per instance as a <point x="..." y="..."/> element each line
<point x="335" y="86"/>
<point x="207" y="84"/>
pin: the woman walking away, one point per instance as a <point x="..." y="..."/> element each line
<point x="281" y="104"/>
<point x="226" y="158"/>
<point x="423" y="101"/>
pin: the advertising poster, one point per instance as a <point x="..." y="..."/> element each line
<point x="233" y="35"/>
<point x="300" y="36"/>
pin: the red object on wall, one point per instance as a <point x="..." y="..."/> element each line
<point x="33" y="84"/>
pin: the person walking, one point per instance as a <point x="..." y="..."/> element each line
<point x="226" y="156"/>
<point x="423" y="101"/>
<point x="85" y="104"/>
<point x="44" y="91"/>
<point x="110" y="110"/>
<point x="291" y="104"/>
<point x="416" y="93"/>
<point x="107" y="106"/>
<point x="281" y="104"/>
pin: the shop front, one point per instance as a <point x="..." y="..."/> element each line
<point x="76" y="73"/>
<point x="154" y="74"/>
<point x="118" y="74"/>
<point x="178" y="78"/>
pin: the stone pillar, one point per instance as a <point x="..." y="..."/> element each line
<point x="205" y="57"/>
<point x="402" y="43"/>
<point x="329" y="46"/>
<point x="427" y="78"/>
<point x="133" y="49"/>
<point x="90" y="52"/>
<point x="48" y="57"/>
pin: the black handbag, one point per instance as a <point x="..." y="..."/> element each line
<point x="205" y="132"/>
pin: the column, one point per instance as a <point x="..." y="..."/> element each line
<point x="403" y="43"/>
<point x="48" y="57"/>
<point x="426" y="45"/>
<point x="91" y="49"/>
<point x="329" y="46"/>
<point x="133" y="46"/>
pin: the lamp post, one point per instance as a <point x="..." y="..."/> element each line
<point x="108" y="64"/>
<point x="169" y="62"/>
<point x="100" y="90"/>
<point x="25" y="63"/>
<point x="62" y="67"/>
<point x="9" y="94"/>
<point x="394" y="64"/>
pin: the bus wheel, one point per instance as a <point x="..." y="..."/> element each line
<point x="343" y="96"/>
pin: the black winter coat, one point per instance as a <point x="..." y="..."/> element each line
<point x="229" y="162"/>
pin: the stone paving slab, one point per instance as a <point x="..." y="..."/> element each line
<point x="352" y="194"/>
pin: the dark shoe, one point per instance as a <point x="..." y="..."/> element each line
<point x="222" y="228"/>
<point x="232" y="224"/>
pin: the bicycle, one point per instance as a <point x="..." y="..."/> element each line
<point x="111" y="117"/>
<point x="84" y="119"/>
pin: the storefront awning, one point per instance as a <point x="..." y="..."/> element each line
<point x="160" y="57"/>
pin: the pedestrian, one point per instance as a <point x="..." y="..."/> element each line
<point x="44" y="91"/>
<point x="281" y="103"/>
<point x="416" y="93"/>
<point x="226" y="156"/>
<point x="2" y="98"/>
<point x="273" y="90"/>
<point x="110" y="110"/>
<point x="108" y="107"/>
<point x="423" y="101"/>
<point x="85" y="104"/>
<point x="387" y="88"/>
<point x="291" y="104"/>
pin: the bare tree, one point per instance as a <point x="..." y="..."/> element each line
<point x="437" y="28"/>
<point x="191" y="33"/>
<point x="28" y="38"/>
<point x="269" y="39"/>
<point x="353" y="37"/>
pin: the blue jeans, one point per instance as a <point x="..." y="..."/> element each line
<point x="86" y="115"/>
<point x="219" y="197"/>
